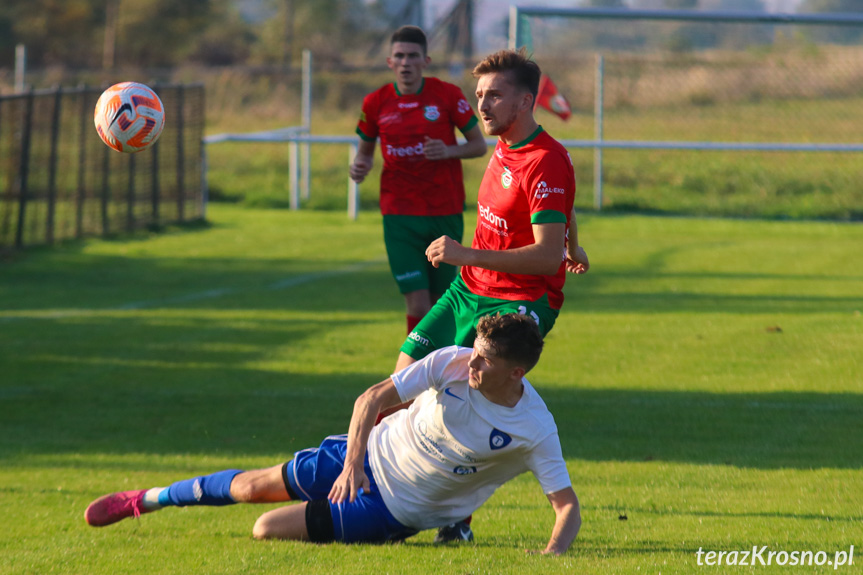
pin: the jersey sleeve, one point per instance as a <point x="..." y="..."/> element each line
<point x="461" y="115"/>
<point x="546" y="462"/>
<point x="367" y="127"/>
<point x="434" y="371"/>
<point x="551" y="185"/>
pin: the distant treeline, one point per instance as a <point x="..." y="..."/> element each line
<point x="110" y="34"/>
<point x="90" y="34"/>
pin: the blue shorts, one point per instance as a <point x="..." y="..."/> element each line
<point x="311" y="475"/>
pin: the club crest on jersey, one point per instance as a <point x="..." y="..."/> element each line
<point x="506" y="178"/>
<point x="432" y="113"/>
<point x="498" y="439"/>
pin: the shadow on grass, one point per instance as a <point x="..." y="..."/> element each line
<point x="94" y="282"/>
<point x="756" y="430"/>
<point x="207" y="407"/>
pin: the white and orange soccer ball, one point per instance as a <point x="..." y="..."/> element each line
<point x="129" y="117"/>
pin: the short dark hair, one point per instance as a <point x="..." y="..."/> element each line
<point x="512" y="337"/>
<point x="524" y="72"/>
<point x="412" y="34"/>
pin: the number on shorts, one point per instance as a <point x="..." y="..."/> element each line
<point x="523" y="311"/>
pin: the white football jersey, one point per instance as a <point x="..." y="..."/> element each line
<point x="438" y="461"/>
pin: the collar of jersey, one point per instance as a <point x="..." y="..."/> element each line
<point x="527" y="140"/>
<point x="417" y="93"/>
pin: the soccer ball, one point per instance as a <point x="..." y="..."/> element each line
<point x="129" y="117"/>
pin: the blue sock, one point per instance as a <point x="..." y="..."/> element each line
<point x="212" y="489"/>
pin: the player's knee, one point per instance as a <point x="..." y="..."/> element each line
<point x="245" y="489"/>
<point x="264" y="528"/>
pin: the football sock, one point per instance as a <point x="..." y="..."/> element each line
<point x="412" y="322"/>
<point x="212" y="490"/>
<point x="151" y="499"/>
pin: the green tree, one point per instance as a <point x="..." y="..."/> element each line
<point x="56" y="32"/>
<point x="160" y="32"/>
<point x="228" y="40"/>
<point x="331" y="29"/>
<point x="71" y="33"/>
<point x="7" y="41"/>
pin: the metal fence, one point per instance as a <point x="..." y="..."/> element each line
<point x="59" y="181"/>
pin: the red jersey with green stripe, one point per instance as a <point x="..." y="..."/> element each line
<point x="411" y="185"/>
<point x="531" y="182"/>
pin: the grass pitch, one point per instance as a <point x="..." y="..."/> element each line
<point x="705" y="377"/>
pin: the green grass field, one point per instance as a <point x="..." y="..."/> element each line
<point x="705" y="377"/>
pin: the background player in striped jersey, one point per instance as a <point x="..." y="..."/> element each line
<point x="422" y="190"/>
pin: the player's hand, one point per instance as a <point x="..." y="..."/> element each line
<point x="348" y="484"/>
<point x="435" y="149"/>
<point x="577" y="263"/>
<point x="448" y="251"/>
<point x="360" y="168"/>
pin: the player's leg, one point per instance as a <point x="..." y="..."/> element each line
<point x="417" y="303"/>
<point x="311" y="475"/>
<point x="262" y="486"/>
<point x="405" y="241"/>
<point x="217" y="489"/>
<point x="440" y="278"/>
<point x="287" y="522"/>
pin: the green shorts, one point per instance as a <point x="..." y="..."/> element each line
<point x="452" y="320"/>
<point x="406" y="239"/>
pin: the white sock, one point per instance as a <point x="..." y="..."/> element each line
<point x="151" y="499"/>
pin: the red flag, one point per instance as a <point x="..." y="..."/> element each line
<point x="551" y="99"/>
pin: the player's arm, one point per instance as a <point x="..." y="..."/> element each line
<point x="567" y="521"/>
<point x="363" y="161"/>
<point x="366" y="409"/>
<point x="576" y="257"/>
<point x="542" y="257"/>
<point x="474" y="147"/>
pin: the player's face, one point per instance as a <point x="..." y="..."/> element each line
<point x="408" y="61"/>
<point x="500" y="102"/>
<point x="487" y="371"/>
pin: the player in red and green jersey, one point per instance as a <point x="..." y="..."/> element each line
<point x="422" y="190"/>
<point x="526" y="184"/>
<point x="526" y="236"/>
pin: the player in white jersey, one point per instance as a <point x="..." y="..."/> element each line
<point x="476" y="423"/>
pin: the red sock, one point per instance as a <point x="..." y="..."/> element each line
<point x="412" y="322"/>
<point x="468" y="520"/>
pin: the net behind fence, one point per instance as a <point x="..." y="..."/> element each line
<point x="719" y="81"/>
<point x="59" y="181"/>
